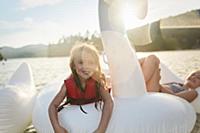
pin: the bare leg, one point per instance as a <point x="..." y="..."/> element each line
<point x="153" y="84"/>
<point x="149" y="65"/>
<point x="151" y="72"/>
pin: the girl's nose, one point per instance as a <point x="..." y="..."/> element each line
<point x="85" y="66"/>
<point x="193" y="77"/>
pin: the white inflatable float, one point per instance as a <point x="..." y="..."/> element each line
<point x="16" y="101"/>
<point x="135" y="110"/>
<point x="168" y="76"/>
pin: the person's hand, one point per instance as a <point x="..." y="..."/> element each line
<point x="61" y="130"/>
<point x="98" y="131"/>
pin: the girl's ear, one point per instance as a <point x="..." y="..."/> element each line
<point x="72" y="66"/>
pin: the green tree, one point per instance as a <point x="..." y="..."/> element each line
<point x="158" y="42"/>
<point x="1" y="57"/>
<point x="64" y="44"/>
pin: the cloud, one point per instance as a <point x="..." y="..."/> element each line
<point x="159" y="10"/>
<point x="30" y="31"/>
<point x="13" y="25"/>
<point x="26" y="4"/>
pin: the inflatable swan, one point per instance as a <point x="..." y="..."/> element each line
<point x="135" y="110"/>
<point x="168" y="76"/>
<point x="16" y="101"/>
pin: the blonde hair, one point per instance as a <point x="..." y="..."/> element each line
<point x="196" y="72"/>
<point x="76" y="53"/>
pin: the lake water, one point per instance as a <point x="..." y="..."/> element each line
<point x="47" y="69"/>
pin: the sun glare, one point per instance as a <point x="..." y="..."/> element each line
<point x="130" y="17"/>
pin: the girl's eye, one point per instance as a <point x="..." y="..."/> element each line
<point x="91" y="62"/>
<point x="198" y="77"/>
<point x="192" y="74"/>
<point x="80" y="62"/>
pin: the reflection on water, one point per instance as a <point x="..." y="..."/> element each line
<point x="180" y="62"/>
<point x="44" y="69"/>
<point x="47" y="69"/>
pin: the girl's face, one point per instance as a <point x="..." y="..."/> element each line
<point x="85" y="65"/>
<point x="193" y="80"/>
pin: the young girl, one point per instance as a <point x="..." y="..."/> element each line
<point x="151" y="72"/>
<point x="85" y="85"/>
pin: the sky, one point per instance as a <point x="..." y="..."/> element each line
<point x="25" y="22"/>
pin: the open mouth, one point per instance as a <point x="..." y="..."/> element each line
<point x="86" y="72"/>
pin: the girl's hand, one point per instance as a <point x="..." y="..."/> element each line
<point x="95" y="131"/>
<point x="98" y="131"/>
<point x="61" y="130"/>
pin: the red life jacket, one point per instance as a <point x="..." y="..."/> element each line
<point x="76" y="96"/>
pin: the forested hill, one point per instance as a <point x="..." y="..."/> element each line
<point x="38" y="50"/>
<point x="174" y="33"/>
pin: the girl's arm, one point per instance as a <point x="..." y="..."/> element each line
<point x="53" y="113"/>
<point x="166" y="89"/>
<point x="188" y="95"/>
<point x="107" y="111"/>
